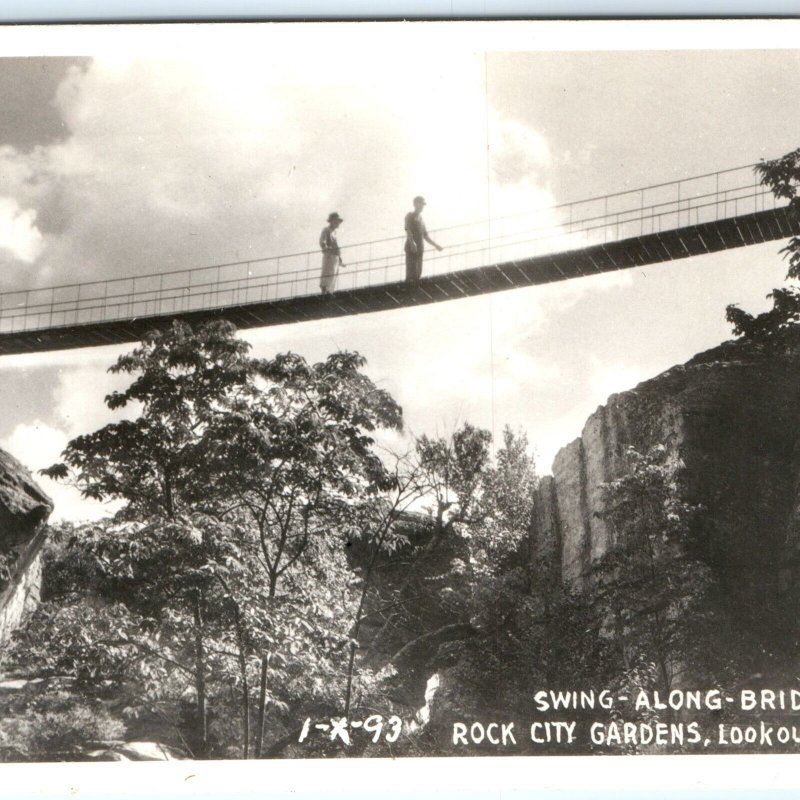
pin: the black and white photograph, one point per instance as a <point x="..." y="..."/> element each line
<point x="399" y="390"/>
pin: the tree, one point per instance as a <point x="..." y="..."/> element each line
<point x="782" y="176"/>
<point x="650" y="589"/>
<point x="380" y="533"/>
<point x="506" y="501"/>
<point x="456" y="595"/>
<point x="119" y="611"/>
<point x="238" y="474"/>
<point x="445" y="474"/>
<point x="295" y="456"/>
<point x="296" y="464"/>
<point x="500" y="569"/>
<point x="769" y="325"/>
<point x="492" y="514"/>
<point x="183" y="379"/>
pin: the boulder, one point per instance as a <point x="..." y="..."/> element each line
<point x="24" y="507"/>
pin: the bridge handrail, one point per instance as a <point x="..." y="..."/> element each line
<point x="575" y="226"/>
<point x="217" y="287"/>
<point x="400" y="238"/>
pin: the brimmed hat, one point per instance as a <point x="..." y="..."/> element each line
<point x="334" y="217"/>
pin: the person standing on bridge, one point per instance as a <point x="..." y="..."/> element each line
<point x="416" y="236"/>
<point x="331" y="255"/>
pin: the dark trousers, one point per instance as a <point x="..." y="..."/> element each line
<point x="413" y="267"/>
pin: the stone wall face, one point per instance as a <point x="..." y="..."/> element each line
<point x="23" y="505"/>
<point x="22" y="594"/>
<point x="733" y="416"/>
<point x="24" y="508"/>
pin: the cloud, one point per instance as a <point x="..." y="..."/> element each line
<point x="76" y="407"/>
<point x="520" y="155"/>
<point x="19" y="235"/>
<point x="182" y="163"/>
<point x="179" y="163"/>
<point x="38" y="445"/>
<point x="78" y="399"/>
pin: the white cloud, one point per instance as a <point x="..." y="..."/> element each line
<point x="18" y="232"/>
<point x="520" y="155"/>
<point x="38" y="445"/>
<point x="78" y="403"/>
<point x="77" y="407"/>
<point x="78" y="399"/>
<point x="173" y="164"/>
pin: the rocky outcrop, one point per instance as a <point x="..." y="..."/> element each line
<point x="24" y="507"/>
<point x="732" y="415"/>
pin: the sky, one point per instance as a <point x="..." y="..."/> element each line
<point x="121" y="161"/>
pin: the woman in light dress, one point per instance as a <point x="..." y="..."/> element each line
<point x="331" y="257"/>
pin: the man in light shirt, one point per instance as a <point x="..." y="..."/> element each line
<point x="416" y="236"/>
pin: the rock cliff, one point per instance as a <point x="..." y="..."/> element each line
<point x="23" y="509"/>
<point x="732" y="414"/>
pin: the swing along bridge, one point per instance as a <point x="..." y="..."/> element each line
<point x="682" y="218"/>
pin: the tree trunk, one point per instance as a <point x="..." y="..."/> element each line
<point x="349" y="689"/>
<point x="245" y="696"/>
<point x="262" y="706"/>
<point x="245" y="706"/>
<point x="201" y="725"/>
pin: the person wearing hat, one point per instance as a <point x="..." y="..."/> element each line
<point x="331" y="256"/>
<point x="416" y="236"/>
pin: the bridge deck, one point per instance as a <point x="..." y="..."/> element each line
<point x="652" y="248"/>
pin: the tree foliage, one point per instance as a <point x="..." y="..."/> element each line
<point x="224" y="582"/>
<point x="650" y="585"/>
<point x="782" y="177"/>
<point x="58" y="727"/>
<point x="470" y="577"/>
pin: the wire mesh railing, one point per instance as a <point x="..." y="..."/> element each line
<point x="569" y="226"/>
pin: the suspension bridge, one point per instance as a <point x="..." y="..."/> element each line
<point x="632" y="228"/>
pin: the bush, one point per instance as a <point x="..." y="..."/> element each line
<point x="56" y="727"/>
